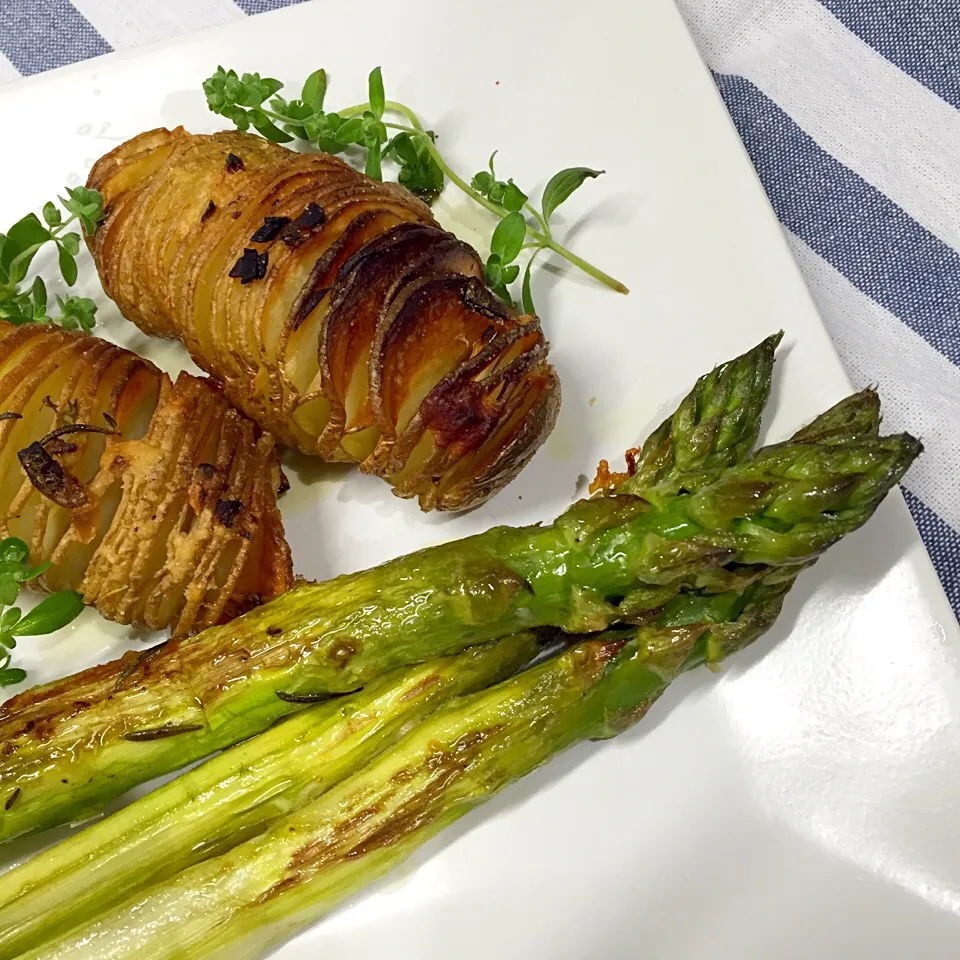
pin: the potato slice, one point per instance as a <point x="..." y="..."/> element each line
<point x="363" y="288"/>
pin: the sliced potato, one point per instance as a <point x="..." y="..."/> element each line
<point x="334" y="310"/>
<point x="155" y="500"/>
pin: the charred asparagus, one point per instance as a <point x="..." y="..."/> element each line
<point x="616" y="557"/>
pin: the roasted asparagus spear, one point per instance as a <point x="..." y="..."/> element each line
<point x="88" y="864"/>
<point x="235" y="795"/>
<point x="241" y="904"/>
<point x="222" y="802"/>
<point x="614" y="557"/>
<point x="715" y="426"/>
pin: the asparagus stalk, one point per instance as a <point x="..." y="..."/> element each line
<point x="243" y="903"/>
<point x="235" y="795"/>
<point x="238" y="794"/>
<point x="71" y="746"/>
<point x="220" y="803"/>
<point x="167" y="707"/>
<point x="721" y="594"/>
<point x="88" y="859"/>
<point x="854" y="418"/>
<point x="715" y="426"/>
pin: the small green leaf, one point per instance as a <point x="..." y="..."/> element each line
<point x="51" y="214"/>
<point x="13" y="550"/>
<point x="213" y="89"/>
<point x="84" y="204"/>
<point x="15" y="569"/>
<point x="513" y="197"/>
<point x="329" y="145"/>
<point x="77" y="312"/>
<point x="8" y="620"/>
<point x="50" y="614"/>
<point x="314" y="90"/>
<point x="38" y="293"/>
<point x="562" y="184"/>
<point x="483" y="182"/>
<point x="252" y="90"/>
<point x="31" y="573"/>
<point x="8" y="640"/>
<point x="9" y="589"/>
<point x="315" y="126"/>
<point x="372" y="129"/>
<point x="493" y="270"/>
<point x="373" y="167"/>
<point x="68" y="266"/>
<point x="404" y="149"/>
<point x="526" y="297"/>
<point x="419" y="173"/>
<point x="508" y="238"/>
<point x="70" y="242"/>
<point x="238" y="115"/>
<point x="233" y="87"/>
<point x="376" y="94"/>
<point x="511" y="273"/>
<point x="24" y="235"/>
<point x="271" y="86"/>
<point x="493" y="173"/>
<point x="503" y="293"/>
<point x="349" y="131"/>
<point x="267" y="128"/>
<point x="83" y="200"/>
<point x="21" y="263"/>
<point x="298" y="112"/>
<point x="26" y="232"/>
<point x="12" y="675"/>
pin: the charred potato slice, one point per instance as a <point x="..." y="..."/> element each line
<point x="334" y="310"/>
<point x="154" y="499"/>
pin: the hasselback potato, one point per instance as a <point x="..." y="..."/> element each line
<point x="154" y="499"/>
<point x="332" y="307"/>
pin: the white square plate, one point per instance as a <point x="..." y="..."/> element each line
<point x="804" y="804"/>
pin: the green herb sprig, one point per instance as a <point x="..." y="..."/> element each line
<point x="49" y="614"/>
<point x="21" y="243"/>
<point x="249" y="100"/>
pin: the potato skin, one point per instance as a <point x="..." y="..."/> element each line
<point x="165" y="514"/>
<point x="334" y="310"/>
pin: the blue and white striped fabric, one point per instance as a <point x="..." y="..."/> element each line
<point x="850" y="111"/>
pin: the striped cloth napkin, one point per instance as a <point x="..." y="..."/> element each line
<point x="849" y="111"/>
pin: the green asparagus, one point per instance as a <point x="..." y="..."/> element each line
<point x="219" y="803"/>
<point x="73" y="745"/>
<point x="754" y="609"/>
<point x="243" y="903"/>
<point x="854" y="418"/>
<point x="715" y="425"/>
<point x="235" y="795"/>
